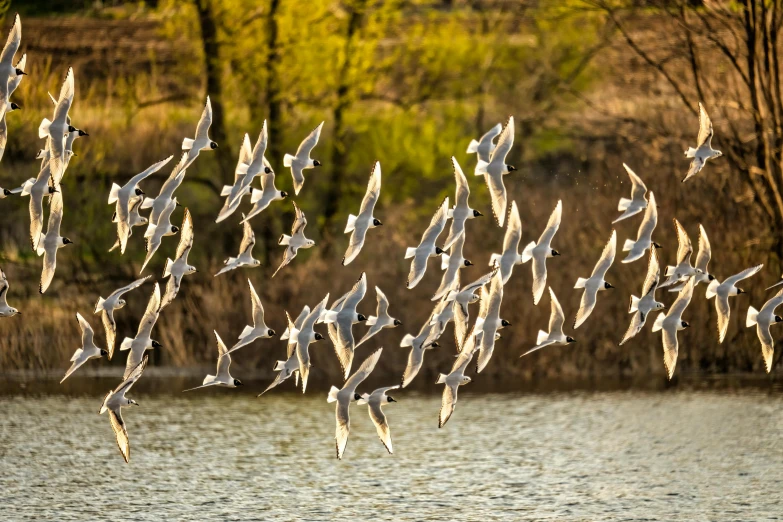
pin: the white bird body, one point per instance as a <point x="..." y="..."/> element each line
<point x="52" y="241"/>
<point x="596" y="282"/>
<point x="510" y="257"/>
<point x="427" y="247"/>
<point x="343" y="320"/>
<point x="245" y="257"/>
<point x="722" y="291"/>
<point x="237" y="189"/>
<point x="762" y="320"/>
<point x="304" y="337"/>
<point x="106" y="308"/>
<point x="142" y="342"/>
<point x="456" y="377"/>
<point x="115" y="400"/>
<point x="5" y="310"/>
<point x="290" y="366"/>
<point x="642" y="306"/>
<point x="376" y="400"/>
<point x="54" y="131"/>
<point x="670" y="323"/>
<point x="485" y="145"/>
<point x="638" y="202"/>
<point x="496" y="168"/>
<point x="155" y="233"/>
<point x="684" y="270"/>
<point x="222" y="376"/>
<point x="462" y="298"/>
<point x="461" y="211"/>
<point x="302" y="160"/>
<point x="160" y="203"/>
<point x="88" y="349"/>
<point x="703" y="150"/>
<point x="179" y="268"/>
<point x="644" y="241"/>
<point x="451" y="264"/>
<point x="201" y="142"/>
<point x="555" y="336"/>
<point x="381" y="320"/>
<point x="491" y="321"/>
<point x="261" y="199"/>
<point x="296" y="240"/>
<point x="358" y="225"/>
<point x="541" y="251"/>
<point x="259" y="330"/>
<point x="258" y="163"/>
<point x="425" y="340"/>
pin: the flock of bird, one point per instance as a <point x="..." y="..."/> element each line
<point x="452" y="299"/>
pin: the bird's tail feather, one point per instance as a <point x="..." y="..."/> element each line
<point x="187" y="144"/>
<point x="113" y="193"/>
<point x="752" y="316"/>
<point x="351" y="223"/>
<point x="288" y="160"/>
<point x="542" y="336"/>
<point x="658" y="324"/>
<point x="473" y="147"/>
<point x="634" y="306"/>
<point x="624" y="204"/>
<point x="410" y="252"/>
<point x="333" y="391"/>
<point x="527" y="253"/>
<point x="406" y="341"/>
<point x="43" y="128"/>
<point x="628" y="245"/>
<point x="126" y="344"/>
<point x="441" y="378"/>
<point x="580" y="282"/>
<point x="371" y="320"/>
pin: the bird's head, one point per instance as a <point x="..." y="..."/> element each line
<point x="741" y="291"/>
<point x="555" y="253"/>
<point x="436" y="344"/>
<point x="476" y="213"/>
<point x="717" y="154"/>
<point x="67" y="241"/>
<point x="213" y="145"/>
<point x="256" y="262"/>
<point x="607" y="285"/>
<point x="657" y="245"/>
<point x="267" y="170"/>
<point x="143" y="220"/>
<point x="356" y="396"/>
<point x="659" y="306"/>
<point x="71" y="128"/>
<point x="82" y="133"/>
<point x="390" y="399"/>
<point x="510" y="168"/>
<point x="270" y="332"/>
<point x="468" y="262"/>
<point x="121" y="303"/>
<point x="318" y="336"/>
<point x="310" y="243"/>
<point x="570" y="339"/>
<point x="139" y="192"/>
<point x="397" y="322"/>
<point x="283" y="194"/>
<point x="156" y="344"/>
<point x="237" y="382"/>
<point x="20" y="72"/>
<point x="778" y="319"/>
<point x="6" y="192"/>
<point x="191" y="269"/>
<point x="504" y="323"/>
<point x="465" y="379"/>
<point x="376" y="222"/>
<point x="52" y="190"/>
<point x="174" y="229"/>
<point x="438" y="250"/>
<point x="316" y="163"/>
<point x="685" y="324"/>
<point x="15" y="107"/>
<point x="361" y="317"/>
<point x="104" y="353"/>
<point x="131" y="402"/>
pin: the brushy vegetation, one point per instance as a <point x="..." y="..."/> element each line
<point x="409" y="84"/>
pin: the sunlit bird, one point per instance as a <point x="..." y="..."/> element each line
<point x="555" y="335"/>
<point x="703" y="150"/>
<point x="222" y="376"/>
<point x="301" y="160"/>
<point x="49" y="243"/>
<point x="106" y="308"/>
<point x="496" y="168"/>
<point x="461" y="211"/>
<point x="5" y="310"/>
<point x="381" y="320"/>
<point x="683" y="270"/>
<point x="485" y="145"/>
<point x="670" y="323"/>
<point x="637" y="203"/>
<point x="427" y="247"/>
<point x="358" y="225"/>
<point x="296" y="240"/>
<point x="762" y="320"/>
<point x="245" y="256"/>
<point x="88" y="349"/>
<point x="178" y="268"/>
<point x="722" y="291"/>
<point x="115" y="400"/>
<point x="541" y="251"/>
<point x="641" y="307"/>
<point x="644" y="240"/>
<point x="596" y="282"/>
<point x="259" y="330"/>
<point x="376" y="401"/>
<point x="201" y="142"/>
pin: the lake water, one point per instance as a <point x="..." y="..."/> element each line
<point x="625" y="455"/>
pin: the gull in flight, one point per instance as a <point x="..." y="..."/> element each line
<point x="115" y="400"/>
<point x="142" y="342"/>
<point x="637" y="203"/>
<point x="160" y="203"/>
<point x="358" y="225"/>
<point x="451" y="264"/>
<point x="296" y="240"/>
<point x="245" y="256"/>
<point x="11" y="74"/>
<point x="51" y="242"/>
<point x="106" y="308"/>
<point x="509" y="258"/>
<point x="259" y="330"/>
<point x="344" y="319"/>
<point x="425" y="340"/>
<point x="376" y="400"/>
<point x="122" y="197"/>
<point x="9" y="106"/>
<point x="260" y="199"/>
<point x="290" y="366"/>
<point x="223" y="377"/>
<point x="641" y="307"/>
<point x="456" y="378"/>
<point x="670" y="323"/>
<point x="461" y="211"/>
<point x="462" y="298"/>
<point x="258" y="163"/>
<point x="87" y="351"/>
<point x="37" y="188"/>
<point x="232" y="191"/>
<point x="702" y="260"/>
<point x="5" y="310"/>
<point x="683" y="271"/>
<point x="644" y="240"/>
<point x="381" y="320"/>
<point x="134" y="219"/>
<point x="541" y="251"/>
<point x="302" y="160"/>
<point x="54" y="131"/>
<point x="443" y="313"/>
<point x="484" y="146"/>
<point x="304" y="337"/>
<point x="427" y="247"/>
<point x="762" y="320"/>
<point x="490" y="321"/>
<point x="703" y="150"/>
<point x="179" y="268"/>
<point x="496" y="168"/>
<point x="596" y="282"/>
<point x="722" y="291"/>
<point x="155" y="233"/>
<point x="555" y="336"/>
<point x="201" y="141"/>
<point x="347" y="394"/>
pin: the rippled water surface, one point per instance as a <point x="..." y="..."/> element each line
<point x="670" y="455"/>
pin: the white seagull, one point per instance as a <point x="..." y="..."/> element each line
<point x="155" y="233"/>
<point x="345" y="396"/>
<point x="302" y="159"/>
<point x="232" y="191"/>
<point x="637" y="203"/>
<point x="344" y="319"/>
<point x="703" y="150"/>
<point x="456" y="378"/>
<point x="670" y="323"/>
<point x="381" y="320"/>
<point x="106" y="308"/>
<point x="10" y="73"/>
<point x="223" y="377"/>
<point x="290" y="366"/>
<point x="496" y="168"/>
<point x="142" y="342"/>
<point x="762" y="320"/>
<point x="52" y="241"/>
<point x="258" y="162"/>
<point x="644" y="239"/>
<point x="555" y="336"/>
<point x="702" y="260"/>
<point x="491" y="321"/>
<point x="509" y="258"/>
<point x="115" y="400"/>
<point x="5" y="310"/>
<point x="722" y="292"/>
<point x="9" y="106"/>
<point x="641" y="307"/>
<point x="462" y="298"/>
<point x="260" y="199"/>
<point x="596" y="282"/>
<point x="296" y="240"/>
<point x="304" y="337"/>
<point x="245" y="256"/>
<point x="376" y="400"/>
<point x="358" y="225"/>
<point x="201" y="141"/>
<point x="135" y="219"/>
<point x="427" y="247"/>
<point x="451" y="264"/>
<point x="88" y="349"/>
<point x="259" y="330"/>
<point x="461" y="211"/>
<point x="425" y="340"/>
<point x="37" y="190"/>
<point x="54" y="131"/>
<point x="683" y="271"/>
<point x="484" y="146"/>
<point x="161" y="202"/>
<point x="179" y="268"/>
<point x="541" y="251"/>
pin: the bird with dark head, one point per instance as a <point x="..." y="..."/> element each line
<point x="316" y="163"/>
<point x="656" y="245"/>
<point x="607" y="285"/>
<point x="438" y="250"/>
<point x="318" y="336"/>
<point x="20" y="72"/>
<point x="570" y="340"/>
<point x="555" y="253"/>
<point x="356" y="396"/>
<point x="476" y="213"/>
<point x="511" y="168"/>
<point x="237" y="382"/>
<point x="504" y="323"/>
<point x="376" y="222"/>
<point x="397" y="322"/>
<point x="778" y="319"/>
<point x="82" y="133"/>
<point x="156" y="344"/>
<point x="283" y="193"/>
<point x="468" y="262"/>
<point x="267" y="170"/>
<point x="390" y="399"/>
<point x="685" y="324"/>
<point x="15" y="107"/>
<point x="213" y="145"/>
<point x="361" y="317"/>
<point x="139" y="192"/>
<point x="104" y="353"/>
<point x="270" y="332"/>
<point x="741" y="291"/>
<point x="67" y="241"/>
<point x="174" y="229"/>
